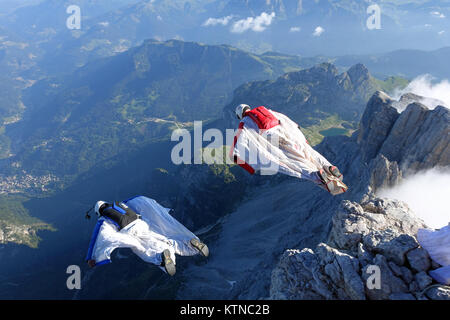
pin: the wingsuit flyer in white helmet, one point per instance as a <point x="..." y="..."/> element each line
<point x="268" y="139"/>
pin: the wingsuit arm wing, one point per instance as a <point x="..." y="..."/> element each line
<point x="319" y="160"/>
<point x="284" y="120"/>
<point x="105" y="239"/>
<point x="234" y="156"/>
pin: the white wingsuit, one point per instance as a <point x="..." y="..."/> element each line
<point x="147" y="237"/>
<point x="437" y="243"/>
<point x="278" y="147"/>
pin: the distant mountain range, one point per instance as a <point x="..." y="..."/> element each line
<point x="404" y="63"/>
<point x="128" y="100"/>
<point x="52" y="131"/>
<point x="124" y="102"/>
<point x="310" y="94"/>
<point x="323" y="27"/>
<point x="8" y="6"/>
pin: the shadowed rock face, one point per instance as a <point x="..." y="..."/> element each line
<point x="397" y="134"/>
<point x="392" y="142"/>
<point x="376" y="124"/>
<point x="378" y="232"/>
<point x="371" y="231"/>
<point x="419" y="139"/>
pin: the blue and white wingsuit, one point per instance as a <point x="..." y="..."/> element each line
<point x="154" y="231"/>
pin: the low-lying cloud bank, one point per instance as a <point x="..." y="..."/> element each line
<point x="427" y="193"/>
<point x="424" y="86"/>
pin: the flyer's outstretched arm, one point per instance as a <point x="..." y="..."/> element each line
<point x="105" y="239"/>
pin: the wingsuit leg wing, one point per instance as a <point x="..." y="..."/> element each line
<point x="161" y="222"/>
<point x="331" y="183"/>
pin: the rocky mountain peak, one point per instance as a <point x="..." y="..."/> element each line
<point x="307" y="93"/>
<point x="358" y="73"/>
<point x="376" y="123"/>
<point x="416" y="138"/>
<point x="426" y="145"/>
<point x="323" y="70"/>
<point x="379" y="234"/>
<point x="282" y="8"/>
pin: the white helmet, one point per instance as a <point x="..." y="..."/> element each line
<point x="98" y="205"/>
<point x="240" y="110"/>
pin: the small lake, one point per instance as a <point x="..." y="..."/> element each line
<point x="333" y="132"/>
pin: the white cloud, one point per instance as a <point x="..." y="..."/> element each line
<point x="441" y="32"/>
<point x="295" y="29"/>
<point x="104" y="24"/>
<point x="318" y="31"/>
<point x="426" y="193"/>
<point x="159" y="18"/>
<point x="257" y="24"/>
<point x="215" y="21"/>
<point x="438" y="14"/>
<point x="427" y="25"/>
<point x="423" y="86"/>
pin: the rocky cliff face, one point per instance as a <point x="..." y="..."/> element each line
<point x="414" y="139"/>
<point x="378" y="233"/>
<point x="369" y="236"/>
